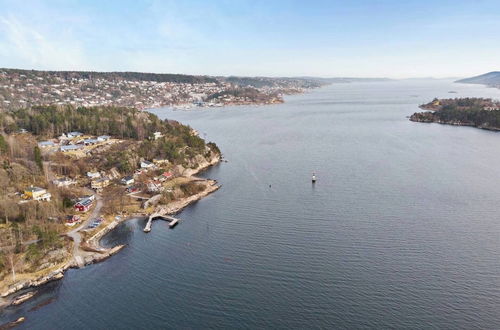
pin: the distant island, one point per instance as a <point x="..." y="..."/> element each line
<point x="477" y="112"/>
<point x="26" y="88"/>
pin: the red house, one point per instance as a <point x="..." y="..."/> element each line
<point x="84" y="205"/>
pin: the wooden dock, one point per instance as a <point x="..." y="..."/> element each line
<point x="160" y="215"/>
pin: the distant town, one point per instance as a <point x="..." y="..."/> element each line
<point x="26" y="88"/>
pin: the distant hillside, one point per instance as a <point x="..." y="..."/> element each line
<point x="113" y="76"/>
<point x="283" y="82"/>
<point x="490" y="79"/>
<point x="335" y="80"/>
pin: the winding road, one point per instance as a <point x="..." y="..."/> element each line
<point x="78" y="253"/>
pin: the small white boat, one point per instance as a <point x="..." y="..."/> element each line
<point x="314" y="178"/>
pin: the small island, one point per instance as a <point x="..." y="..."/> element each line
<point x="71" y="174"/>
<point x="476" y="112"/>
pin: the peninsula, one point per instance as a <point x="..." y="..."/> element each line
<point x="71" y="174"/>
<point x="477" y="112"/>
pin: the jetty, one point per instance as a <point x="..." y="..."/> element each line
<point x="160" y="214"/>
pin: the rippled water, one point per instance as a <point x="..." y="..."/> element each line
<point x="402" y="229"/>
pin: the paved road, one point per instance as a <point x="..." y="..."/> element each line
<point x="78" y="253"/>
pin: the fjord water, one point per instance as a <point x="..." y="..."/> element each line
<point x="402" y="229"/>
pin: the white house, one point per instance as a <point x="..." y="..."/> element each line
<point x="63" y="182"/>
<point x="157" y="135"/>
<point x="127" y="181"/>
<point x="103" y="138"/>
<point x="74" y="134"/>
<point x="154" y="186"/>
<point x="71" y="147"/>
<point x="89" y="142"/>
<point x="93" y="175"/>
<point x="147" y="164"/>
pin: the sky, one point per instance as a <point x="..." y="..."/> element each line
<point x="349" y="38"/>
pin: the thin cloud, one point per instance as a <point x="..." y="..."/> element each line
<point x="24" y="45"/>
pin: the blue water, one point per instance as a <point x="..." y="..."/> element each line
<point x="402" y="229"/>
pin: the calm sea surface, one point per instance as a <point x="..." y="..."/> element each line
<point x="402" y="229"/>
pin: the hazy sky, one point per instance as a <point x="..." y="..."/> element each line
<point x="391" y="38"/>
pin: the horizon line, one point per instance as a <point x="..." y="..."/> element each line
<point x="387" y="77"/>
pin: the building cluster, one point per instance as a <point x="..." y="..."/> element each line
<point x="73" y="141"/>
<point x="19" y="90"/>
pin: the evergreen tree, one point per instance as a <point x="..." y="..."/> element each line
<point x="38" y="158"/>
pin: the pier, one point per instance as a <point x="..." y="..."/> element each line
<point x="160" y="215"/>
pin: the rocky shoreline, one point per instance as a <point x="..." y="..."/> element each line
<point x="430" y="120"/>
<point x="99" y="253"/>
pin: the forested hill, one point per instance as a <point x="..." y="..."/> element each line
<point x="490" y="79"/>
<point x="121" y="122"/>
<point x="113" y="76"/>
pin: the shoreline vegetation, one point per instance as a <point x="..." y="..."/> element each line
<point x="475" y="112"/>
<point x="70" y="175"/>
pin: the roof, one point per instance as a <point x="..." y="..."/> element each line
<point x="62" y="180"/>
<point x="34" y="189"/>
<point x="147" y="162"/>
<point x="75" y="133"/>
<point x="101" y="180"/>
<point x="84" y="202"/>
<point x="71" y="147"/>
<point x="104" y="137"/>
<point x="128" y="178"/>
<point x="46" y="143"/>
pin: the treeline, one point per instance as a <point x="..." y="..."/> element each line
<point x="52" y="121"/>
<point x="464" y="103"/>
<point x="138" y="76"/>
